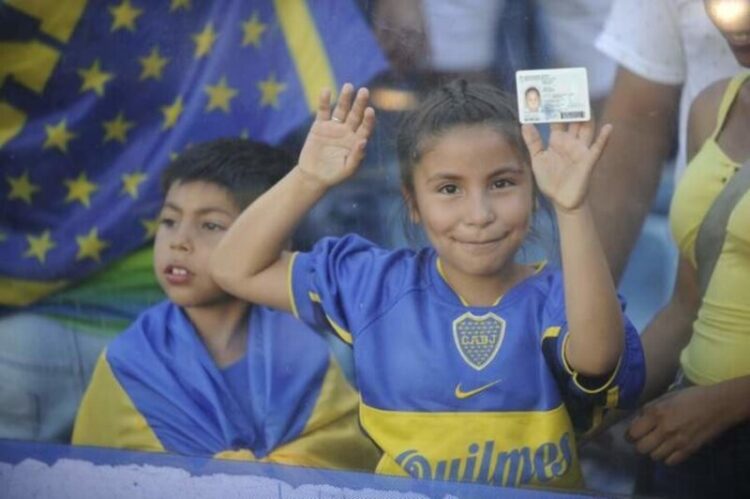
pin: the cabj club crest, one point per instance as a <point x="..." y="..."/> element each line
<point x="478" y="338"/>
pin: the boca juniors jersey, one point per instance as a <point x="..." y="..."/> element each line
<point x="454" y="392"/>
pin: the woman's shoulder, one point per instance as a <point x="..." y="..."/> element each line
<point x="704" y="113"/>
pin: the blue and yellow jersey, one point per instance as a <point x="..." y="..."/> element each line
<point x="454" y="392"/>
<point x="156" y="388"/>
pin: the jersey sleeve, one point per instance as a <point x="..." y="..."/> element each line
<point x="343" y="283"/>
<point x="656" y="53"/>
<point x="588" y="397"/>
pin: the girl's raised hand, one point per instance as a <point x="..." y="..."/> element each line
<point x="563" y="170"/>
<point x="336" y="142"/>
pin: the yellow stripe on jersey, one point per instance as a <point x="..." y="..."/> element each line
<point x="343" y="333"/>
<point x="503" y="448"/>
<point x="613" y="397"/>
<point x="108" y="418"/>
<point x="289" y="287"/>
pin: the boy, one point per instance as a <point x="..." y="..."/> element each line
<point x="204" y="373"/>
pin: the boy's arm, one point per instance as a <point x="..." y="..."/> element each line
<point x="249" y="262"/>
<point x="562" y="171"/>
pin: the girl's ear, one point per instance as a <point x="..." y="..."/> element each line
<point x="411" y="205"/>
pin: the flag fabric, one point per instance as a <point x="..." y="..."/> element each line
<point x="96" y="97"/>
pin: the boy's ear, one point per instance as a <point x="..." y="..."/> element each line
<point x="411" y="205"/>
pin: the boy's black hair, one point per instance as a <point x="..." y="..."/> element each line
<point x="245" y="168"/>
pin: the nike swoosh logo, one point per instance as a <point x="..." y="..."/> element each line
<point x="460" y="394"/>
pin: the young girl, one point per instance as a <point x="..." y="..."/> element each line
<point x="470" y="365"/>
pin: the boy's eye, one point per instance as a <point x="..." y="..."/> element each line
<point x="448" y="189"/>
<point x="166" y="222"/>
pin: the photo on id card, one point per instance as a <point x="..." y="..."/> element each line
<point x="553" y="95"/>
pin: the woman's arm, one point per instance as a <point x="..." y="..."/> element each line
<point x="249" y="262"/>
<point x="563" y="172"/>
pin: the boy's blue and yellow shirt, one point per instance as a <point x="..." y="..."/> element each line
<point x="454" y="392"/>
<point x="156" y="388"/>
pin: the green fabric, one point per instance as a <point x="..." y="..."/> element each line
<point x="110" y="300"/>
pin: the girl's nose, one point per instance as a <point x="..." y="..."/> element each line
<point x="480" y="211"/>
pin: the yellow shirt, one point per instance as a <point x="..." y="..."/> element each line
<point x="719" y="348"/>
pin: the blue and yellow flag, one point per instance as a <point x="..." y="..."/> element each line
<point x="96" y="97"/>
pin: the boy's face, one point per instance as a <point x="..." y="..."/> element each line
<point x="195" y="216"/>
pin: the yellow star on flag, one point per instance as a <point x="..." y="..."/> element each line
<point x="179" y="4"/>
<point x="204" y="41"/>
<point x="252" y="31"/>
<point x="131" y="182"/>
<point x="21" y="187"/>
<point x="58" y="136"/>
<point x="39" y="246"/>
<point x="90" y="246"/>
<point x="153" y="65"/>
<point x="80" y="189"/>
<point x="117" y="129"/>
<point x="171" y="113"/>
<point x="124" y="16"/>
<point x="94" y="78"/>
<point x="220" y="95"/>
<point x="150" y="226"/>
<point x="269" y="91"/>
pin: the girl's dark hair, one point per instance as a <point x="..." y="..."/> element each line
<point x="245" y="168"/>
<point x="458" y="103"/>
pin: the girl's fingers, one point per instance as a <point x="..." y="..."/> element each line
<point x="601" y="141"/>
<point x="324" y="105"/>
<point x="354" y="118"/>
<point x="341" y="110"/>
<point x="586" y="132"/>
<point x="532" y="139"/>
<point x="574" y="129"/>
<point x="367" y="124"/>
<point x="356" y="155"/>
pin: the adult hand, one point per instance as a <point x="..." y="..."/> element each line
<point x="563" y="170"/>
<point x="335" y="145"/>
<point x="673" y="427"/>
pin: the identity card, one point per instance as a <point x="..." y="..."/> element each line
<point x="553" y="95"/>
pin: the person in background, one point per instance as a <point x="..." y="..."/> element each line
<point x="701" y="429"/>
<point x="667" y="51"/>
<point x="207" y="374"/>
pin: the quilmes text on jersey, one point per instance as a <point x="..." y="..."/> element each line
<point x="513" y="467"/>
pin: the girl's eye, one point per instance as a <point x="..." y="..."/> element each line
<point x="212" y="226"/>
<point x="501" y="183"/>
<point x="448" y="189"/>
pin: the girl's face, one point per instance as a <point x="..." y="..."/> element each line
<point x="473" y="195"/>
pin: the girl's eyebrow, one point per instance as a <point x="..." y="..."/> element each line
<point x="512" y="168"/>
